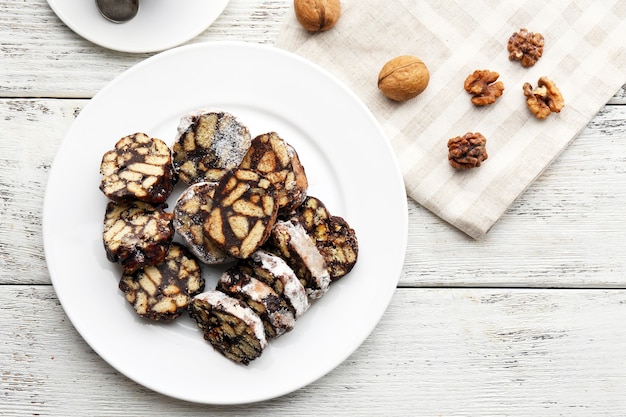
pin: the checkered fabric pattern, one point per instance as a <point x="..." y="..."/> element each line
<point x="584" y="54"/>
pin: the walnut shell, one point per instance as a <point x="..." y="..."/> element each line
<point x="403" y="78"/>
<point x="317" y="15"/>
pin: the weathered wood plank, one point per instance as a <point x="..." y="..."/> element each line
<point x="619" y="97"/>
<point x="43" y="58"/>
<point x="548" y="227"/>
<point x="566" y="230"/>
<point x="435" y="352"/>
<point x="31" y="133"/>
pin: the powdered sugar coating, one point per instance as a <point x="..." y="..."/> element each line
<point x="293" y="290"/>
<point x="232" y="306"/>
<point x="188" y="119"/>
<point x="281" y="319"/>
<point x="302" y="244"/>
<point x="300" y="184"/>
<point x="231" y="141"/>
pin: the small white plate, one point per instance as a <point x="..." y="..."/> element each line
<point x="350" y="167"/>
<point x="159" y="25"/>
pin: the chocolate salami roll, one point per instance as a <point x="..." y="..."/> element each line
<point x="139" y="168"/>
<point x="136" y="234"/>
<point x="244" y="212"/>
<point x="273" y="310"/>
<point x="229" y="325"/>
<point x="279" y="162"/>
<point x="190" y="213"/>
<point x="163" y="291"/>
<point x="290" y="241"/>
<point x="207" y="144"/>
<point x="333" y="236"/>
<point x="274" y="271"/>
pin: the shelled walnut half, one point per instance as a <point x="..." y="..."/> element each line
<point x="467" y="151"/>
<point x="544" y="99"/>
<point x="526" y="47"/>
<point x="483" y="85"/>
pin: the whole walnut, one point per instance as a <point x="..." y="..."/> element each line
<point x="403" y="78"/>
<point x="317" y="15"/>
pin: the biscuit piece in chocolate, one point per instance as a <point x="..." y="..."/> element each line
<point x="274" y="271"/>
<point x="207" y="144"/>
<point x="190" y="213"/>
<point x="163" y="291"/>
<point x="278" y="161"/>
<point x="290" y="241"/>
<point x="244" y="212"/>
<point x="136" y="234"/>
<point x="273" y="310"/>
<point x="332" y="235"/>
<point x="229" y="325"/>
<point x="139" y="168"/>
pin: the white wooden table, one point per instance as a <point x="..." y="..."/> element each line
<point x="530" y="320"/>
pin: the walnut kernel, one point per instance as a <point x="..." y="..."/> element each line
<point x="544" y="99"/>
<point x="403" y="78"/>
<point x="483" y="86"/>
<point x="467" y="151"/>
<point x="317" y="15"/>
<point x="525" y="46"/>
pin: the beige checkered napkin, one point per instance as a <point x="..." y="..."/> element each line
<point x="585" y="54"/>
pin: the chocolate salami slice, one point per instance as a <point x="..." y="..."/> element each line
<point x="274" y="271"/>
<point x="245" y="211"/>
<point x="190" y="213"/>
<point x="229" y="325"/>
<point x="139" y="168"/>
<point x="278" y="161"/>
<point x="207" y="144"/>
<point x="333" y="236"/>
<point x="290" y="241"/>
<point x="136" y="234"/>
<point x="273" y="310"/>
<point x="163" y="291"/>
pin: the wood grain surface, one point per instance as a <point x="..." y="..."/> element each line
<point x="527" y="321"/>
<point x="451" y="352"/>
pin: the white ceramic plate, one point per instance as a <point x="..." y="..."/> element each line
<point x="349" y="164"/>
<point x="159" y="25"/>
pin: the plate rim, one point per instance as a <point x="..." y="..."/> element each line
<point x="46" y="220"/>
